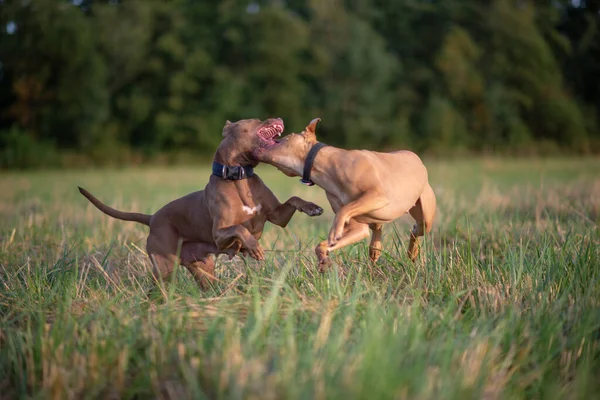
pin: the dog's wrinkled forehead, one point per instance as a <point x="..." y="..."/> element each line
<point x="241" y="126"/>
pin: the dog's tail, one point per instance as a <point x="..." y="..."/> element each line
<point x="125" y="216"/>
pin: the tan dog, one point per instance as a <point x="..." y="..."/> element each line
<point x="365" y="188"/>
<point x="228" y="216"/>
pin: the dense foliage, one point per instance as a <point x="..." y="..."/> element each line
<point x="109" y="79"/>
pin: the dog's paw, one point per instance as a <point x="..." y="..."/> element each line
<point x="255" y="250"/>
<point x="311" y="209"/>
<point x="323" y="256"/>
<point x="374" y="254"/>
<point x="324" y="264"/>
<point x="234" y="249"/>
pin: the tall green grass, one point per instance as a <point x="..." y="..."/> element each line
<point x="503" y="303"/>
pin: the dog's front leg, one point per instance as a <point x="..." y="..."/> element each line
<point x="366" y="202"/>
<point x="375" y="245"/>
<point x="237" y="237"/>
<point x="282" y="214"/>
<point x="354" y="232"/>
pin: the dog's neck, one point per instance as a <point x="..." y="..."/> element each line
<point x="227" y="154"/>
<point x="320" y="174"/>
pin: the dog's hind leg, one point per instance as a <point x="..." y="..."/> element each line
<point x="203" y="272"/>
<point x="162" y="245"/>
<point x="375" y="246"/>
<point x="423" y="212"/>
<point x="199" y="260"/>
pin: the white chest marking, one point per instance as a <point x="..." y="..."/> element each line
<point x="252" y="210"/>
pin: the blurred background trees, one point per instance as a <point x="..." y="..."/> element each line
<point x="119" y="81"/>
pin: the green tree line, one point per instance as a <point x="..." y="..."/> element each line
<point x="125" y="80"/>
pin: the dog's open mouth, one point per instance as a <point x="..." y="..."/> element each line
<point x="268" y="133"/>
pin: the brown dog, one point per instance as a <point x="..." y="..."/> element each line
<point x="365" y="188"/>
<point x="228" y="216"/>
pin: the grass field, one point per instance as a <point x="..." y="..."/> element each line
<point x="503" y="303"/>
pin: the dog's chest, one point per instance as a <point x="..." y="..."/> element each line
<point x="251" y="211"/>
<point x="252" y="216"/>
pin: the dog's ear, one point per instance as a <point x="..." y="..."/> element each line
<point x="311" y="129"/>
<point x="228" y="124"/>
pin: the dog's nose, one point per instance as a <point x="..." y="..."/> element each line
<point x="276" y="120"/>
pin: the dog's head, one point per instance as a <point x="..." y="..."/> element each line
<point x="289" y="153"/>
<point x="247" y="135"/>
